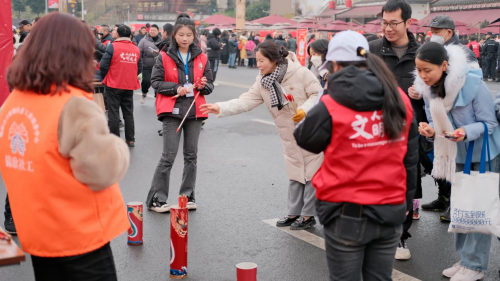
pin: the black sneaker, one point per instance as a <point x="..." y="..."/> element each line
<point x="10" y="227"/>
<point x="160" y="133"/>
<point x="301" y="223"/>
<point x="120" y="124"/>
<point x="286" y="221"/>
<point x="158" y="206"/>
<point x="438" y="205"/>
<point x="445" y="217"/>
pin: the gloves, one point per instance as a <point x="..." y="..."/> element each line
<point x="299" y="116"/>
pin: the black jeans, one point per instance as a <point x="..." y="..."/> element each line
<point x="146" y="81"/>
<point x="97" y="265"/>
<point x="123" y="99"/>
<point x="358" y="247"/>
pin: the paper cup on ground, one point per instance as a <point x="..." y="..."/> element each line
<point x="246" y="271"/>
<point x="135" y="216"/>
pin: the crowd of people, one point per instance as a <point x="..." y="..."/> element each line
<point x="361" y="124"/>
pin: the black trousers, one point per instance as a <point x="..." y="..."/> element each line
<point x="490" y="64"/>
<point x="224" y="59"/>
<point x="123" y="99"/>
<point x="146" y="81"/>
<point x="97" y="265"/>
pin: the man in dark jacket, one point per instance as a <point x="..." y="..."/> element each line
<point x="105" y="34"/>
<point x="280" y="41"/>
<point x="291" y="44"/>
<point x="489" y="55"/>
<point x="24" y="29"/>
<point x="224" y="55"/>
<point x="443" y="32"/>
<point x="398" y="48"/>
<point x="149" y="51"/>
<point x="214" y="47"/>
<point x="142" y="33"/>
<point x="233" y="49"/>
<point x="119" y="67"/>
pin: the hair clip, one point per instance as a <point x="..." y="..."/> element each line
<point x="361" y="52"/>
<point x="281" y="52"/>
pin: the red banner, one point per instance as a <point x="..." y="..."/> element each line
<point x="53" y="4"/>
<point x="302" y="45"/>
<point x="6" y="47"/>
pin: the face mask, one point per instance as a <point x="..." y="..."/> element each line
<point x="316" y="61"/>
<point x="438" y="39"/>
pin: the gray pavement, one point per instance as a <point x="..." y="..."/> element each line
<point x="242" y="182"/>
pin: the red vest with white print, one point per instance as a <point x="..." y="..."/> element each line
<point x="122" y="73"/>
<point x="165" y="104"/>
<point x="361" y="165"/>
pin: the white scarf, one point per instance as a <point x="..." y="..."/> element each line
<point x="445" y="151"/>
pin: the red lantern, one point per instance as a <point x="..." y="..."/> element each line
<point x="348" y="3"/>
<point x="331" y="5"/>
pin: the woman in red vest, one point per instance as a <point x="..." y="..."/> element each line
<point x="60" y="164"/>
<point x="364" y="125"/>
<point x="174" y="74"/>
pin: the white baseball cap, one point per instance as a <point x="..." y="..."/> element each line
<point x="346" y="46"/>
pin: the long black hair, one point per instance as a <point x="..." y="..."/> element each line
<point x="436" y="54"/>
<point x="393" y="107"/>
<point x="183" y="19"/>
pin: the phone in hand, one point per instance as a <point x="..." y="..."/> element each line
<point x="450" y="136"/>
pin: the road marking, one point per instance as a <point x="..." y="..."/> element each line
<point x="233" y="84"/>
<point x="264" y="122"/>
<point x="320" y="243"/>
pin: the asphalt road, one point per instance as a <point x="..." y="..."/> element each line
<point x="242" y="182"/>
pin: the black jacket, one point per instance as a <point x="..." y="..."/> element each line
<point x="471" y="57"/>
<point x="169" y="88"/>
<point x="359" y="90"/>
<point x="106" y="61"/>
<point x="291" y="45"/>
<point x="490" y="49"/>
<point x="108" y="37"/>
<point x="225" y="51"/>
<point x="163" y="45"/>
<point x="280" y="42"/>
<point x="401" y="68"/>
<point x="213" y="47"/>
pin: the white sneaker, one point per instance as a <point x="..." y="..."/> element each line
<point x="143" y="99"/>
<point x="403" y="253"/>
<point x="191" y="206"/>
<point x="216" y="84"/>
<point x="465" y="274"/>
<point x="450" y="272"/>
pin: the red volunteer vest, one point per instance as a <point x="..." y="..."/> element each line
<point x="122" y="72"/>
<point x="104" y="43"/>
<point x="165" y="104"/>
<point x="475" y="47"/>
<point x="361" y="165"/>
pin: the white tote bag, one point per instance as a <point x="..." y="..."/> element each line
<point x="475" y="203"/>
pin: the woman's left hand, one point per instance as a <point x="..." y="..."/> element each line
<point x="202" y="83"/>
<point x="460" y="134"/>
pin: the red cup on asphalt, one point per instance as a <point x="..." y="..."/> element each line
<point x="134" y="212"/>
<point x="246" y="271"/>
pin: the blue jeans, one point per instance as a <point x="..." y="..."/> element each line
<point x="474" y="248"/>
<point x="232" y="59"/>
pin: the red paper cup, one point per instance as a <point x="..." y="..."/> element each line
<point x="134" y="212"/>
<point x="246" y="271"/>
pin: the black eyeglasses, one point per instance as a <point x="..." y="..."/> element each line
<point x="393" y="25"/>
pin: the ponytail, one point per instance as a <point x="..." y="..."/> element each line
<point x="393" y="108"/>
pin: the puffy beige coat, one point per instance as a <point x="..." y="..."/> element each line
<point x="301" y="83"/>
